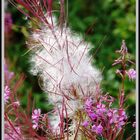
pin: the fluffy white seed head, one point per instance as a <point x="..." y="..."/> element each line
<point x="60" y="58"/>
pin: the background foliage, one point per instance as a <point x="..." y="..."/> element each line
<point x="103" y="23"/>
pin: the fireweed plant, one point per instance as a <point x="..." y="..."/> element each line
<point x="60" y="58"/>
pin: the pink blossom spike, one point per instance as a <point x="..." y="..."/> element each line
<point x="35" y="118"/>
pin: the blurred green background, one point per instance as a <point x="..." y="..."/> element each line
<point x="103" y="23"/>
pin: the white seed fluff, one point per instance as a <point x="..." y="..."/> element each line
<point x="61" y="60"/>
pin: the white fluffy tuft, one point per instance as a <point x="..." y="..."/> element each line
<point x="61" y="59"/>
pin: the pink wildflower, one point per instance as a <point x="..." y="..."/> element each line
<point x="97" y="129"/>
<point x="100" y="108"/>
<point x="92" y="115"/>
<point x="112" y="114"/>
<point x="122" y="118"/>
<point x="122" y="113"/>
<point x="117" y="117"/>
<point x="131" y="74"/>
<point x="6" y="94"/>
<point x="85" y="123"/>
<point x="35" y="117"/>
<point x="88" y="105"/>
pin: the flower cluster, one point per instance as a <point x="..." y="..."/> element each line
<point x="35" y="118"/>
<point x="117" y="117"/>
<point x="101" y="118"/>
